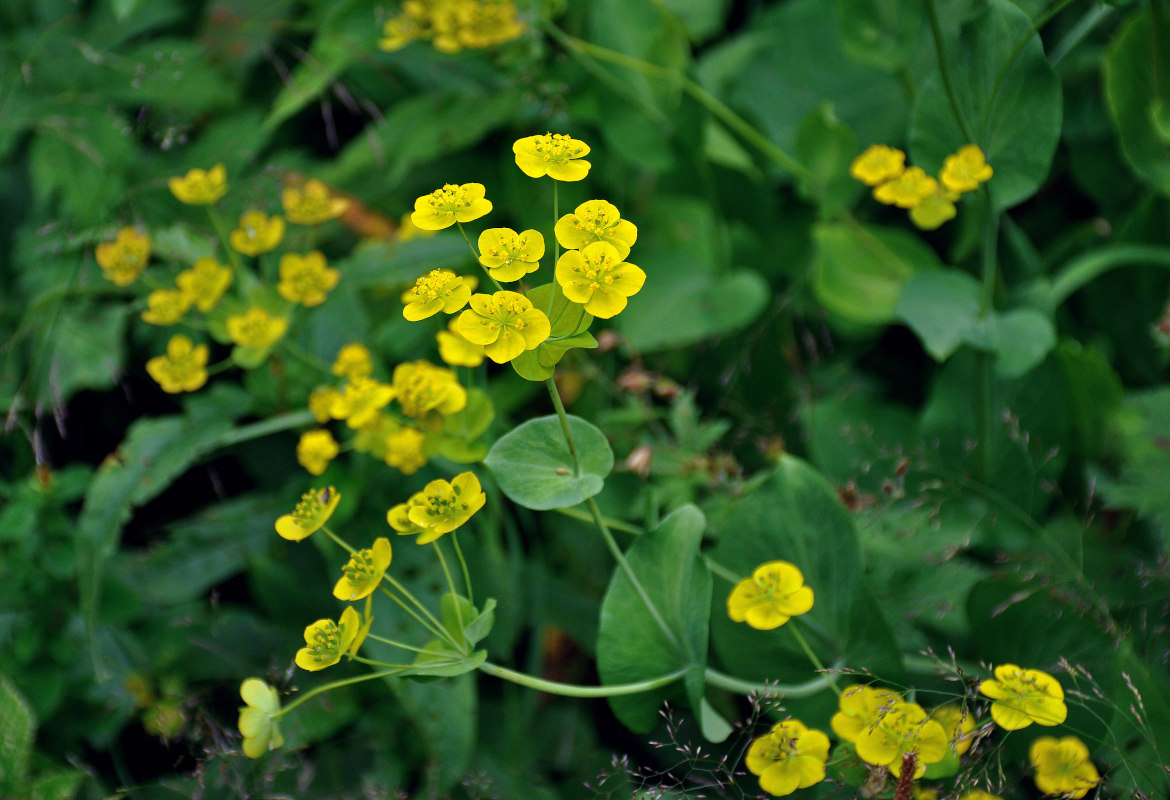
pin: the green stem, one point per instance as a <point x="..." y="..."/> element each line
<point x="451" y="586"/>
<point x="715" y="568"/>
<point x="399" y="645"/>
<point x="564" y="418"/>
<point x="615" y="524"/>
<point x="246" y="278"/>
<point x="731" y="684"/>
<point x="475" y="255"/>
<point x="331" y="686"/>
<point x="435" y="628"/>
<point x="1096" y="263"/>
<point x="305" y="357"/>
<point x="267" y="427"/>
<point x="984" y="421"/>
<point x="1159" y="56"/>
<point x="574" y="690"/>
<point x="944" y="70"/>
<point x="1092" y="18"/>
<point x="816" y="662"/>
<point x="717" y="109"/>
<point x="620" y="557"/>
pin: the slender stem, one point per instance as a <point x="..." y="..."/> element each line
<point x="434" y="628"/>
<point x="620" y="557"/>
<point x="816" y="662"/>
<point x="399" y="645"/>
<point x="944" y="70"/>
<point x="1093" y="264"/>
<point x="257" y="430"/>
<point x="475" y="255"/>
<point x="246" y="278"/>
<point x="615" y="524"/>
<point x="715" y="568"/>
<point x="344" y="545"/>
<point x="560" y="407"/>
<point x="450" y="585"/>
<point x="984" y="378"/>
<point x="305" y="357"/>
<point x="463" y="565"/>
<point x="1092" y="18"/>
<point x="331" y="686"/>
<point x="717" y="109"/>
<point x="807" y="689"/>
<point x="1159" y="56"/>
<point x="575" y="690"/>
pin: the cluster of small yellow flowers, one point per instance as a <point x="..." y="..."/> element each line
<point x="556" y="155"/>
<point x="598" y="278"/>
<point x="453" y="203"/>
<point x="306" y="279"/>
<point x="360" y="402"/>
<point x="457" y="351"/>
<point x="931" y="201"/>
<point x="423" y="389"/>
<point x="256" y="328"/>
<point x="258" y="717"/>
<point x="453" y="25"/>
<point x="124" y="259"/>
<point x="200" y="187"/>
<point x="791" y="756"/>
<point x="258" y="233"/>
<point x="439" y="508"/>
<point x="508" y="255"/>
<point x="770" y="597"/>
<point x="504" y="323"/>
<point x="1063" y="766"/>
<point x="182" y="369"/>
<point x="1024" y="696"/>
<point x="310" y="515"/>
<point x="361" y="576"/>
<point x="204" y="283"/>
<point x="438" y="290"/>
<point x="327" y="641"/>
<point x="353" y="361"/>
<point x="166" y="306"/>
<point x="883" y="728"/>
<point x="312" y="203"/>
<point x="316" y="449"/>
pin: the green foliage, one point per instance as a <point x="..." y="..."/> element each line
<point x="535" y="468"/>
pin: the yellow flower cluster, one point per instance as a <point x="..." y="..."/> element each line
<point x="931" y="201"/>
<point x="770" y="597"/>
<point x="439" y="508"/>
<point x="883" y="728"/>
<point x="182" y="369"/>
<point x="200" y="187"/>
<point x="312" y="203"/>
<point x="1063" y="766"/>
<point x="258" y="717"/>
<point x="453" y="25"/>
<point x="791" y="756"/>
<point x="124" y="259"/>
<point x="1024" y="696"/>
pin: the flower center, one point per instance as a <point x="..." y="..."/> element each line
<point x="326" y="642"/>
<point x="558" y="147"/>
<point x="360" y="567"/>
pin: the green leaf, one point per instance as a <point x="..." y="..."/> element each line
<point x="534" y="467"/>
<point x="826" y="146"/>
<point x="632" y="644"/>
<point x="1134" y="106"/>
<point x="1011" y="103"/>
<point x="883" y="33"/>
<point x="565" y="317"/>
<point x="859" y="270"/>
<point x="123" y="8"/>
<point x="445" y="719"/>
<point x="568" y="320"/>
<point x="17" y="728"/>
<point x="796" y="515"/>
<point x="710" y="305"/>
<point x="715" y="728"/>
<point x="440" y="661"/>
<point x="1026" y="337"/>
<point x="1094" y="392"/>
<point x="467" y="623"/>
<point x="941" y="307"/>
<point x="85" y="350"/>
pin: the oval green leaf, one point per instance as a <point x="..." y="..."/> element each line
<point x="535" y="469"/>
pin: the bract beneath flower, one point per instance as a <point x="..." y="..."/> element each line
<point x="327" y="641"/>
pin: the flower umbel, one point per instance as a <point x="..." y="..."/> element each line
<point x="505" y="323"/>
<point x="965" y="170"/>
<point x="597" y="278"/>
<point x="934" y="209"/>
<point x="789" y="757"/>
<point x="353" y="361"/>
<point x="404" y="449"/>
<point x="205" y="283"/>
<point x="327" y="641"/>
<point x="316" y="449"/>
<point x="439" y="508"/>
<point x="124" y="259"/>
<point x="360" y="577"/>
<point x="166" y="306"/>
<point x="1024" y="696"/>
<point x="770" y="597"/>
<point x="258" y="717"/>
<point x="258" y="233"/>
<point x="1063" y="766"/>
<point x="901" y="729"/>
<point x="438" y="290"/>
<point x="422" y="387"/>
<point x="859" y="708"/>
<point x="306" y="279"/>
<point x="200" y="187"/>
<point x="453" y="203"/>
<point x="312" y="203"/>
<point x="559" y="156"/>
<point x="878" y="164"/>
<point x="457" y="351"/>
<point x="596" y="221"/>
<point x="310" y="515"/>
<point x="182" y="369"/>
<point x="256" y="328"/>
<point x="360" y="402"/>
<point x="907" y="190"/>
<point x="508" y="255"/>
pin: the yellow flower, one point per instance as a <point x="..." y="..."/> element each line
<point x="312" y="203"/>
<point x="166" y="306"/>
<point x="258" y="233"/>
<point x="508" y="255"/>
<point x="327" y="641"/>
<point x="553" y="154"/>
<point x="124" y="259"/>
<point x="439" y="508"/>
<point x="901" y="729"/>
<point x="404" y="449"/>
<point x="310" y="515"/>
<point x="486" y="23"/>
<point x="453" y="203"/>
<point x="907" y="190"/>
<point x="859" y="707"/>
<point x="958" y="725"/>
<point x="597" y="277"/>
<point x="321" y="401"/>
<point x="934" y="209"/>
<point x="770" y="597"/>
<point x="596" y="221"/>
<point x="353" y="361"/>
<point x="200" y="187"/>
<point x="256" y="328"/>
<point x="360" y="402"/>
<point x="364" y="571"/>
<point x="408" y="231"/>
<point x="182" y="369"/>
<point x="789" y="757"/>
<point x="258" y="717"/>
<point x="878" y="164"/>
<point x="965" y="170"/>
<point x="422" y="387"/>
<point x="205" y="283"/>
<point x="1024" y="696"/>
<point x="399" y="31"/>
<point x="305" y="279"/>
<point x="438" y="290"/>
<point x="1063" y="766"/>
<point x="315" y="450"/>
<point x="457" y="351"/>
<point x="505" y="323"/>
<point x="980" y="795"/>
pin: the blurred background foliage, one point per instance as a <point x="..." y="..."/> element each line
<point x="785" y="312"/>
